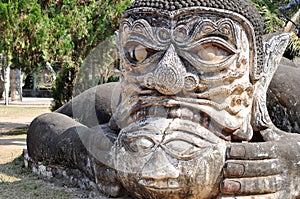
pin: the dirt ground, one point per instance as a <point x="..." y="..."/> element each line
<point x="14" y="121"/>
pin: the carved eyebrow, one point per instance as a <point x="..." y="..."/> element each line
<point x="223" y="28"/>
<point x="147" y="42"/>
<point x="190" y="129"/>
<point x="142" y="31"/>
<point x="151" y="132"/>
<point x="222" y="43"/>
<point x="225" y="37"/>
<point x="143" y="134"/>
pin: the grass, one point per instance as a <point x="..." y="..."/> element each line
<point x="18" y="182"/>
<point x="14" y="117"/>
<point x="17" y="111"/>
<point x="17" y="131"/>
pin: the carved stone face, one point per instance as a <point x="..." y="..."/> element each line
<point x="186" y="89"/>
<point x="200" y="62"/>
<point x="167" y="158"/>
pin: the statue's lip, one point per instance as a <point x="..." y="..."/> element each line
<point x="160" y="185"/>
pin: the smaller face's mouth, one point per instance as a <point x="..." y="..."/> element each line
<point x="160" y="185"/>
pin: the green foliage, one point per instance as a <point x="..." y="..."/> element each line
<point x="56" y="31"/>
<point x="269" y="10"/>
<point x="80" y="27"/>
<point x="21" y="33"/>
<point x="293" y="49"/>
<point x="62" y="91"/>
<point x="274" y="21"/>
<point x="113" y="78"/>
<point x="97" y="66"/>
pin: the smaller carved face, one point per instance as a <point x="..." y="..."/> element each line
<point x="169" y="158"/>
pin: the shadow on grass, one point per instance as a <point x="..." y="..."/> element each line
<point x="15" y="128"/>
<point x="13" y="142"/>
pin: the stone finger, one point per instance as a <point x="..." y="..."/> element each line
<point x="252" y="168"/>
<point x="277" y="195"/>
<point x="252" y="151"/>
<point x="252" y="186"/>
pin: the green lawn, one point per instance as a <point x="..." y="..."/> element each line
<point x="17" y="111"/>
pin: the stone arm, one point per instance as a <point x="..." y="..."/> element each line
<point x="94" y="106"/>
<point x="58" y="139"/>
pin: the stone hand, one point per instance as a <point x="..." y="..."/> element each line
<point x="263" y="169"/>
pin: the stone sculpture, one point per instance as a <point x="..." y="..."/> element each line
<point x="282" y="97"/>
<point x="189" y="117"/>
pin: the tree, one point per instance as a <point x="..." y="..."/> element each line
<point x="275" y="21"/>
<point x="23" y="34"/>
<point x="80" y="26"/>
<point x="60" y="32"/>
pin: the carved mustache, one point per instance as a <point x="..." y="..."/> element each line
<point x="184" y="111"/>
<point x="140" y="99"/>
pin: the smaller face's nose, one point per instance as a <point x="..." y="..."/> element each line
<point x="159" y="167"/>
<point x="168" y="77"/>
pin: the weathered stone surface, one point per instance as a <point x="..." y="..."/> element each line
<point x="284" y="97"/>
<point x="94" y="106"/>
<point x="59" y="140"/>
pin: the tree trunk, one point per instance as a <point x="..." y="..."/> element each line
<point x="34" y="84"/>
<point x="289" y="25"/>
<point x="16" y="85"/>
<point x="6" y="84"/>
<point x="1" y="80"/>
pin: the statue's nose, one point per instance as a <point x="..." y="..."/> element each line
<point x="159" y="168"/>
<point x="168" y="77"/>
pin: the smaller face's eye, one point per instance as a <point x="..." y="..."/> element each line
<point x="139" y="144"/>
<point x="212" y="52"/>
<point x="137" y="53"/>
<point x="182" y="148"/>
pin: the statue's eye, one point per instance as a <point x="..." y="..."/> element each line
<point x="137" y="53"/>
<point x="182" y="148"/>
<point x="212" y="52"/>
<point x="138" y="144"/>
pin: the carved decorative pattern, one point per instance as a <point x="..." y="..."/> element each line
<point x="211" y="85"/>
<point x="274" y="47"/>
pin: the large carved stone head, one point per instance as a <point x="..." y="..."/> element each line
<point x="189" y="87"/>
<point x="202" y="56"/>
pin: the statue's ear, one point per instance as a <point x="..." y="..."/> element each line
<point x="117" y="39"/>
<point x="274" y="46"/>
